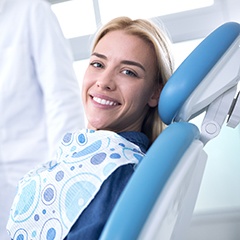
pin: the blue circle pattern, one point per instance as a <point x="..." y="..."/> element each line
<point x="44" y="208"/>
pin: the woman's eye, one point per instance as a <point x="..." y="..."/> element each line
<point x="130" y="73"/>
<point x="96" y="64"/>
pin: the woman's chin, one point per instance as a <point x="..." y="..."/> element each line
<point x="97" y="126"/>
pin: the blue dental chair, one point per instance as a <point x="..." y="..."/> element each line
<point x="159" y="199"/>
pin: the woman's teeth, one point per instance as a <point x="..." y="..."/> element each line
<point x="104" y="101"/>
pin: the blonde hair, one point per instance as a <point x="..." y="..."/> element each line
<point x="149" y="32"/>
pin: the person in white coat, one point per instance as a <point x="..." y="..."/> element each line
<point x="39" y="94"/>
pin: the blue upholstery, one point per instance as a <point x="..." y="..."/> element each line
<point x="194" y="68"/>
<point x="148" y="182"/>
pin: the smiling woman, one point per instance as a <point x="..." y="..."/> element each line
<point x="129" y="65"/>
<point x="139" y="63"/>
<point x="113" y="75"/>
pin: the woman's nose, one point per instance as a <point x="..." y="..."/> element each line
<point x="106" y="81"/>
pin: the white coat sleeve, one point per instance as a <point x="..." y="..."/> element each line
<point x="54" y="69"/>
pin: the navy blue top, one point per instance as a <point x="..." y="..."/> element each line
<point x="91" y="222"/>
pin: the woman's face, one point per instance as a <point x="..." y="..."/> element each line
<point x="119" y="83"/>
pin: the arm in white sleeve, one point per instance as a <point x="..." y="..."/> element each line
<point x="54" y="67"/>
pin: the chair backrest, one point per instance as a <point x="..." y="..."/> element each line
<point x="159" y="199"/>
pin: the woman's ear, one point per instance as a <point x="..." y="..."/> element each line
<point x="153" y="100"/>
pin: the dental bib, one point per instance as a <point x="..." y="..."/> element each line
<point x="51" y="198"/>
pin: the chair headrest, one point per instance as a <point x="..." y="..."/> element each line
<point x="194" y="69"/>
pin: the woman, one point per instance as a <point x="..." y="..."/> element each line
<point x="129" y="65"/>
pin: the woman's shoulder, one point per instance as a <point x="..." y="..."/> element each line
<point x="138" y="138"/>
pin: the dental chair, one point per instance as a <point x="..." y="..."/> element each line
<point x="159" y="199"/>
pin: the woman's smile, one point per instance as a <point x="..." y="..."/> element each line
<point x="105" y="101"/>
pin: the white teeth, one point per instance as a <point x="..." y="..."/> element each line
<point x="104" y="101"/>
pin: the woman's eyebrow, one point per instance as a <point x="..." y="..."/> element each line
<point x="133" y="63"/>
<point x="99" y="55"/>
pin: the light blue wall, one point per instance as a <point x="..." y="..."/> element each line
<point x="220" y="189"/>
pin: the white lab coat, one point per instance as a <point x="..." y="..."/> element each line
<point x="39" y="94"/>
